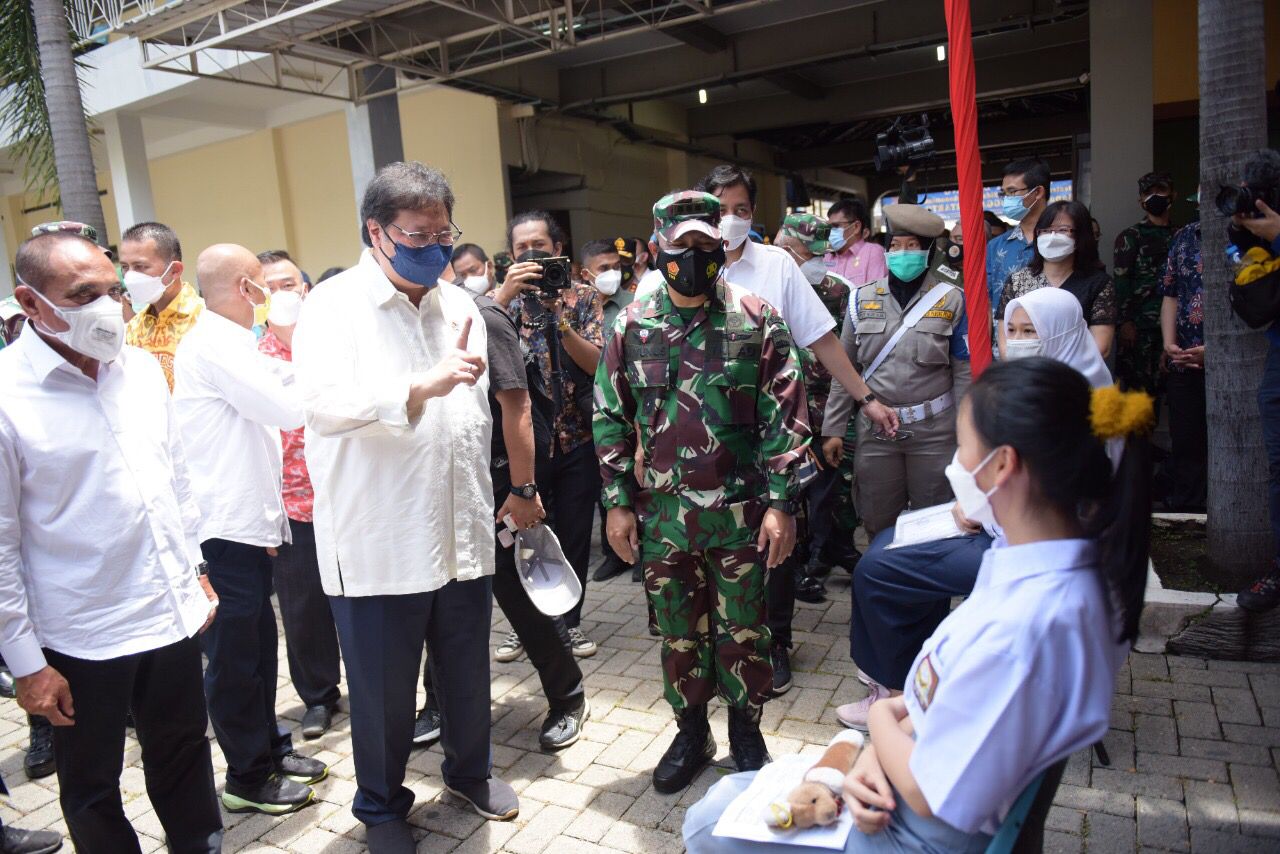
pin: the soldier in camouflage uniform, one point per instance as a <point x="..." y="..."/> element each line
<point x="1141" y="252"/>
<point x="704" y="378"/>
<point x="824" y="540"/>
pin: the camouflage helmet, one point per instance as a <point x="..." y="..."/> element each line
<point x="810" y="229"/>
<point x="676" y="214"/>
<point x="70" y="226"/>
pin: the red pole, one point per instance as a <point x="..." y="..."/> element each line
<point x="964" y="112"/>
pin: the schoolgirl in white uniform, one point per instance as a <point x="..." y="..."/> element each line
<point x="1021" y="675"/>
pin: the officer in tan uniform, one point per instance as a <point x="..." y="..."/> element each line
<point x="908" y="336"/>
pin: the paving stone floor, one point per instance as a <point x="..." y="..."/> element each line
<point x="1194" y="747"/>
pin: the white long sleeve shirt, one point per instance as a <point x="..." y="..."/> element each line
<point x="401" y="506"/>
<point x="98" y="526"/>
<point x="232" y="402"/>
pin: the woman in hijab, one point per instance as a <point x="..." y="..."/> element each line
<point x="901" y="595"/>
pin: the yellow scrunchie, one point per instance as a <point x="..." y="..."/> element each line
<point x="1114" y="413"/>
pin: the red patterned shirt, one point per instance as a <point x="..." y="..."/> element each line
<point x="297" y="493"/>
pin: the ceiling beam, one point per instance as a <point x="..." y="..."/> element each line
<point x="703" y="37"/>
<point x="795" y="84"/>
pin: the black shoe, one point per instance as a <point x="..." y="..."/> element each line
<point x="1264" y="594"/>
<point x="637" y="572"/>
<point x="302" y="769"/>
<point x="491" y="799"/>
<point x="609" y="567"/>
<point x="277" y="796"/>
<point x="810" y="589"/>
<point x="562" y="729"/>
<point x="8" y="687"/>
<point x="781" y="660"/>
<point x="317" y="720"/>
<point x="746" y="744"/>
<point x="390" y="837"/>
<point x="39" y="759"/>
<point x="845" y="555"/>
<point x="691" y="749"/>
<point x="15" y="841"/>
<point x="817" y="566"/>
<point x="426" y="728"/>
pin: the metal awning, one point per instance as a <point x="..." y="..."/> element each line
<point x="320" y="47"/>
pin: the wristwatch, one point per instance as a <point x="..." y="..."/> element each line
<point x="871" y="396"/>
<point x="791" y="508"/>
<point x="528" y="491"/>
<point x="202" y="569"/>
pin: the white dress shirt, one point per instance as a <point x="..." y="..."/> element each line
<point x="401" y="506"/>
<point x="232" y="402"/>
<point x="1016" y="678"/>
<point x="97" y="524"/>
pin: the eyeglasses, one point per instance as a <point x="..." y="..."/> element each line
<point x="1013" y="191"/>
<point x="423" y="239"/>
<point x="1061" y="229"/>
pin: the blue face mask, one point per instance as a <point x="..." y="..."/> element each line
<point x="1011" y="206"/>
<point x="836" y="239"/>
<point x="421" y="266"/>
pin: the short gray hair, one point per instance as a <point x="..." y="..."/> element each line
<point x="403" y="186"/>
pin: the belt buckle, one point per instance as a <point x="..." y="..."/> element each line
<point x="906" y="415"/>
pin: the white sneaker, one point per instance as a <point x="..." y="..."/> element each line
<point x="581" y="645"/>
<point x="854" y="715"/>
<point x="510" y="649"/>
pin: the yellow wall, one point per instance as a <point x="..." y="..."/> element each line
<point x="1176" y="54"/>
<point x="316" y="189"/>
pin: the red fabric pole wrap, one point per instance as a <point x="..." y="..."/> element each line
<point x="964" y="112"/>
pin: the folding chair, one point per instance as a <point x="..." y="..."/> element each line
<point x="1023" y="829"/>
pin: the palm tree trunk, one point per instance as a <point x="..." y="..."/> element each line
<point x="77" y="180"/>
<point x="1233" y="125"/>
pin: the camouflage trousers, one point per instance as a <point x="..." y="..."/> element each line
<point x="709" y="603"/>
<point x="1138" y="364"/>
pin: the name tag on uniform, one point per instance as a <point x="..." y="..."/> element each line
<point x="940" y="312"/>
<point x="944" y="270"/>
<point x="926" y="682"/>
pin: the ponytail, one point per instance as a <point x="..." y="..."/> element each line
<point x="1046" y="411"/>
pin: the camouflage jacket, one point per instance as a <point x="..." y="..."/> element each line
<point x="834" y="292"/>
<point x="719" y="404"/>
<point x="1141" y="253"/>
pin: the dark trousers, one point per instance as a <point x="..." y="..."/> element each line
<point x="240" y="680"/>
<point x="780" y="599"/>
<point x="570" y="487"/>
<point x="1269" y="407"/>
<point x="310" y="637"/>
<point x="381" y="638"/>
<point x="820" y="506"/>
<point x="900" y="596"/>
<point x="163" y="689"/>
<point x="1188" y="464"/>
<point x="545" y="639"/>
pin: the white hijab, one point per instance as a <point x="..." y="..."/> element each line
<point x="1059" y="321"/>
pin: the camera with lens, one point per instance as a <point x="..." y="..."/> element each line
<point x="502" y="262"/>
<point x="1243" y="200"/>
<point x="557" y="274"/>
<point x="904" y="144"/>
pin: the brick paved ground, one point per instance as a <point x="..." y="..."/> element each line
<point x="1194" y="748"/>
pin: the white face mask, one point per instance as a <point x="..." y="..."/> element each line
<point x="734" y="230"/>
<point x="814" y="270"/>
<point x="145" y="289"/>
<point x="285" y="306"/>
<point x="475" y="285"/>
<point x="97" y="329"/>
<point x="1055" y="247"/>
<point x="974" y="503"/>
<point x="607" y="283"/>
<point x="1023" y="348"/>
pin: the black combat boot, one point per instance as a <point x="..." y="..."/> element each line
<point x="691" y="749"/>
<point x="746" y="744"/>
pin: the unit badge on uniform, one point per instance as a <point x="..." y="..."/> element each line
<point x="643" y="335"/>
<point x="926" y="682"/>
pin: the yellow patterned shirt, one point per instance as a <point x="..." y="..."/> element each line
<point x="160" y="334"/>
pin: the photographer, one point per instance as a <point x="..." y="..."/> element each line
<point x="560" y="324"/>
<point x="1255" y="297"/>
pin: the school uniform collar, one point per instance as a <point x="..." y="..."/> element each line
<point x="1012" y="564"/>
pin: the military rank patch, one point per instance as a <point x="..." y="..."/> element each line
<point x="926" y="682"/>
<point x="881" y="292"/>
<point x="871" y="305"/>
<point x="940" y="312"/>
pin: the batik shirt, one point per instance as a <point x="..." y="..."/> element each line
<point x="159" y="334"/>
<point x="298" y="496"/>
<point x="1182" y="281"/>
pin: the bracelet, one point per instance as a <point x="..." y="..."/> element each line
<point x="564" y="324"/>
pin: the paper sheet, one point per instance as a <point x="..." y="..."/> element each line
<point x="744" y="819"/>
<point x="925" y="526"/>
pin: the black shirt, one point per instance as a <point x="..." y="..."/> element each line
<point x="508" y="369"/>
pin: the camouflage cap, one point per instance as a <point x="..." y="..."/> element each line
<point x="1151" y="180"/>
<point x="70" y="226"/>
<point x="679" y="213"/>
<point x="914" y="220"/>
<point x="810" y="229"/>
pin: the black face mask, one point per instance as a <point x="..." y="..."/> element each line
<point x="954" y="252"/>
<point x="1156" y="205"/>
<point x="692" y="272"/>
<point x="628" y="273"/>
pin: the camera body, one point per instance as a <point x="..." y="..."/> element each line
<point x="557" y="275"/>
<point x="904" y="145"/>
<point x="502" y="262"/>
<point x="1242" y="200"/>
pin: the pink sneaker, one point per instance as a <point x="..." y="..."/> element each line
<point x="854" y="715"/>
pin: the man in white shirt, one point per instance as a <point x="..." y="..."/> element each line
<point x="100" y="601"/>
<point x="231" y="402"/>
<point x="771" y="273"/>
<point x="398" y="445"/>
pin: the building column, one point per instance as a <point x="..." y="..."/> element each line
<point x="373" y="129"/>
<point x="6" y="270"/>
<point x="1120" y="116"/>
<point x="127" y="161"/>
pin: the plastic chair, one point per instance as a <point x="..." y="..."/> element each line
<point x="1022" y="831"/>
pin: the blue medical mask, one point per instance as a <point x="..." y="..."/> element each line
<point x="421" y="266"/>
<point x="836" y="239"/>
<point x="1012" y="207"/>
